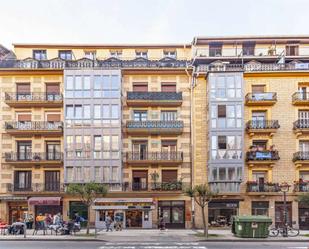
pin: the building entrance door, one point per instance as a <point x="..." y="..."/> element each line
<point x="134" y="219"/>
<point x="279" y="213"/>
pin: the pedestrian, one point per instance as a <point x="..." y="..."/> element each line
<point x="40" y="221"/>
<point x="108" y="222"/>
<point x="161" y="223"/>
<point x="47" y="220"/>
<point x="57" y="219"/>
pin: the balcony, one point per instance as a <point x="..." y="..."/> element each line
<point x="35" y="99"/>
<point x="268" y="187"/>
<point x="261" y="99"/>
<point x="162" y="158"/>
<point x="154" y="127"/>
<point x="36" y="158"/>
<point x="301" y="127"/>
<point x="50" y="187"/>
<point x="301" y="187"/>
<point x="262" y="158"/>
<point x="301" y="158"/>
<point x="176" y="186"/>
<point x="300" y="98"/>
<point x="268" y="127"/>
<point x="154" y="99"/>
<point x="34" y="128"/>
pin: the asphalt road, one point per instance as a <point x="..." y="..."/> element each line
<point x="131" y="245"/>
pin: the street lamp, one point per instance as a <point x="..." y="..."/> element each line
<point x="284" y="187"/>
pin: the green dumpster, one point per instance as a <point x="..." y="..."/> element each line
<point x="251" y="226"/>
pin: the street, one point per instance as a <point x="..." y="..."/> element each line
<point x="152" y="245"/>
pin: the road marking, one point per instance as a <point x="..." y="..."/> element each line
<point x="304" y="247"/>
<point x="153" y="247"/>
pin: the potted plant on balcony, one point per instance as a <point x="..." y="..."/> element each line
<point x="154" y="178"/>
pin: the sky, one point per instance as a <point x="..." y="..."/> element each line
<point x="146" y="21"/>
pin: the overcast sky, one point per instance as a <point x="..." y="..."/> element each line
<point x="146" y="21"/>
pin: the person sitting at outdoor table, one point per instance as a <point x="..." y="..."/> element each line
<point x="17" y="227"/>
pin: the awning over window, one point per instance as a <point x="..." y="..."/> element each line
<point x="43" y="201"/>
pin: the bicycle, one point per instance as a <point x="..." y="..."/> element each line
<point x="292" y="232"/>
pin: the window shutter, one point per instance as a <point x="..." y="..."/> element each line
<point x="52" y="88"/>
<point x="140" y="87"/>
<point x="168" y="87"/>
<point x="24" y="117"/>
<point x="53" y="117"/>
<point x="169" y="175"/>
<point x="23" y="88"/>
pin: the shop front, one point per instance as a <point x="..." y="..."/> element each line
<point x="13" y="208"/>
<point x="220" y="212"/>
<point x="45" y="205"/>
<point x="132" y="212"/>
<point x="173" y="213"/>
<point x="303" y="214"/>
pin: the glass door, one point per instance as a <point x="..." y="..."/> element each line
<point x="140" y="151"/>
<point x="53" y="151"/>
<point x="259" y="120"/>
<point x="24" y="151"/>
<point x="52" y="180"/>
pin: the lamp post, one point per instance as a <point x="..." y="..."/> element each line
<point x="284" y="187"/>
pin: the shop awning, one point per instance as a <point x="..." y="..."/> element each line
<point x="43" y="201"/>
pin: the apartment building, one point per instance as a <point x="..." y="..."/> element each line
<point x="116" y="114"/>
<point x="253" y="93"/>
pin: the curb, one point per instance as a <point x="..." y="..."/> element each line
<point x="42" y="239"/>
<point x="253" y="240"/>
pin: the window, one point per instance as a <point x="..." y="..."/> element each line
<point x="259" y="119"/>
<point x="248" y="48"/>
<point x="65" y="54"/>
<point x="97" y="111"/>
<point x="226" y="147"/>
<point x="87" y="87"/>
<point x="106" y="147"/>
<point x="69" y="112"/>
<point x="79" y="177"/>
<point x="97" y="174"/>
<point x="116" y="53"/>
<point x="69" y="176"/>
<point x="87" y="112"/>
<point x="111" y="86"/>
<point x="291" y="50"/>
<point x="141" y="54"/>
<point x="98" y="86"/>
<point x="169" y="176"/>
<point x="39" y="55"/>
<point x="115" y="112"/>
<point x="22" y="180"/>
<point x="52" y="180"/>
<point x="168" y="115"/>
<point x="24" y="150"/>
<point x="140" y="115"/>
<point x="115" y="147"/>
<point x="69" y="142"/>
<point x="78" y="112"/>
<point x="106" y="174"/>
<point x="226" y="87"/>
<point x="87" y="174"/>
<point x="168" y="87"/>
<point x="97" y="145"/>
<point x="215" y="49"/>
<point x="260" y="144"/>
<point x="69" y="87"/>
<point x="115" y="174"/>
<point x="23" y="91"/>
<point x="53" y="150"/>
<point x="140" y="87"/>
<point x="258" y="88"/>
<point x="90" y="55"/>
<point x="304" y="146"/>
<point x="221" y="142"/>
<point x="221" y="111"/>
<point x="260" y="207"/>
<point x="170" y="54"/>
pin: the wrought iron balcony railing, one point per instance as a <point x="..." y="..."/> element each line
<point x="301" y="156"/>
<point x="265" y="187"/>
<point x="301" y="96"/>
<point x="155" y="124"/>
<point x="36" y="187"/>
<point x="154" y="186"/>
<point x="262" y="124"/>
<point x="170" y="96"/>
<point x="33" y="96"/>
<point x="261" y="97"/>
<point x="301" y="124"/>
<point x="253" y="67"/>
<point x="262" y="155"/>
<point x="301" y="187"/>
<point x="154" y="156"/>
<point x="87" y="63"/>
<point x="33" y="156"/>
<point x="33" y="125"/>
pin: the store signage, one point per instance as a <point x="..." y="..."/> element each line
<point x="124" y="200"/>
<point x="13" y="198"/>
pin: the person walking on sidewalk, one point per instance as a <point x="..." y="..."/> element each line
<point x="161" y="223"/>
<point x="108" y="223"/>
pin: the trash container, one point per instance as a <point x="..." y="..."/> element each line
<point x="251" y="226"/>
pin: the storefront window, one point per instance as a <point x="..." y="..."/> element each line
<point x="260" y="208"/>
<point x="173" y="213"/>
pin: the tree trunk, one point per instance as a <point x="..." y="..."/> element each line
<point x="88" y="220"/>
<point x="204" y="222"/>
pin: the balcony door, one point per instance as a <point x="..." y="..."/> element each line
<point x="302" y="92"/>
<point x="22" y="180"/>
<point x="53" y="150"/>
<point x="258" y="119"/>
<point x="52" y="120"/>
<point x="258" y="93"/>
<point x="24" y="150"/>
<point x="140" y="150"/>
<point x="168" y="115"/>
<point x="52" y="91"/>
<point x="52" y="180"/>
<point x="169" y="176"/>
<point x="304" y="146"/>
<point x="260" y="178"/>
<point x="23" y="91"/>
<point x="140" y="179"/>
<point x="169" y="149"/>
<point x="24" y="121"/>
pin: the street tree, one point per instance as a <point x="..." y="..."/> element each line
<point x="202" y="195"/>
<point x="87" y="193"/>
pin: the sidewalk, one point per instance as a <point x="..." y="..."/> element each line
<point x="149" y="235"/>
